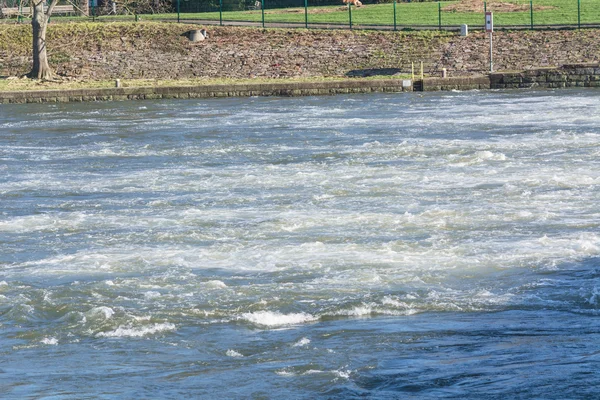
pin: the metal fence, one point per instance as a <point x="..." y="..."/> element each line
<point x="375" y="14"/>
<point x="392" y="14"/>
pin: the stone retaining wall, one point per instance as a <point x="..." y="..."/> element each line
<point x="459" y="83"/>
<point x="185" y="92"/>
<point x="573" y="75"/>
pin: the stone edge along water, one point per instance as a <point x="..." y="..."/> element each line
<point x="205" y="91"/>
<point x="572" y="75"/>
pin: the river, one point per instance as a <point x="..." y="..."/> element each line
<point x="436" y="245"/>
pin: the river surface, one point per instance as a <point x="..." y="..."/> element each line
<point x="386" y="246"/>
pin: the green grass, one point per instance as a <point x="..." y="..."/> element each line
<point x="559" y="12"/>
<point x="417" y="14"/>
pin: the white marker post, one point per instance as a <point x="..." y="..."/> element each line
<point x="489" y="27"/>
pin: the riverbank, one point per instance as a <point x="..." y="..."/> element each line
<point x="289" y="88"/>
<point x="107" y="51"/>
<point x="156" y="60"/>
<point x="576" y="75"/>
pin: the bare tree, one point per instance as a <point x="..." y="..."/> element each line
<point x="39" y="22"/>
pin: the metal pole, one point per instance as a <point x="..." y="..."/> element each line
<point x="262" y="9"/>
<point x="178" y="16"/>
<point x="306" y="14"/>
<point x="220" y="12"/>
<point x="350" y="14"/>
<point x="491" y="52"/>
<point x="440" y="15"/>
<point x="485" y="6"/>
<point x="395" y="28"/>
<point x="579" y="14"/>
<point x="531" y="12"/>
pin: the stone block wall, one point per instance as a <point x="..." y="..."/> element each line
<point x="207" y="91"/>
<point x="570" y="75"/>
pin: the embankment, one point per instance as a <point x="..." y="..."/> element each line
<point x="576" y="75"/>
<point x="205" y="91"/>
<point x="98" y="51"/>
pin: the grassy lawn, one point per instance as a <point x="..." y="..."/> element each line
<point x="545" y="12"/>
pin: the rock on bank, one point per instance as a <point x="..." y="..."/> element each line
<point x="159" y="50"/>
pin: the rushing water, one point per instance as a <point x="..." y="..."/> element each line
<point x="441" y="245"/>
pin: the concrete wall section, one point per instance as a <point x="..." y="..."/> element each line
<point x="185" y="92"/>
<point x="460" y="83"/>
<point x="572" y="75"/>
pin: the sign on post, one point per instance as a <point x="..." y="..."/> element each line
<point x="489" y="22"/>
<point x="489" y="27"/>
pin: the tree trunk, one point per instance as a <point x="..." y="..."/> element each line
<point x="39" y="23"/>
<point x="83" y="8"/>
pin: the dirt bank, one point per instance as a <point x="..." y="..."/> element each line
<point x="94" y="51"/>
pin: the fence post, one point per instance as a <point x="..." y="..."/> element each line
<point x="579" y="14"/>
<point x="531" y="12"/>
<point x="262" y="9"/>
<point x="395" y="28"/>
<point x="178" y="19"/>
<point x="306" y="14"/>
<point x="440" y="15"/>
<point x="221" y="12"/>
<point x="350" y="14"/>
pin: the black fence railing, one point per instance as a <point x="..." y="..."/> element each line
<point x="382" y="14"/>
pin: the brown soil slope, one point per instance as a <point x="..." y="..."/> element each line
<point x="155" y="50"/>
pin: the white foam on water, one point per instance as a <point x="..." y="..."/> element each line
<point x="344" y="374"/>
<point x="285" y="373"/>
<point x="275" y="319"/>
<point x="313" y="372"/>
<point x="445" y="217"/>
<point x="50" y="341"/>
<point x="216" y="284"/>
<point x="594" y="299"/>
<point x="101" y="312"/>
<point x="130" y="331"/>
<point x="371" y="310"/>
<point x="302" y="342"/>
<point x="234" y="354"/>
<point x="40" y="222"/>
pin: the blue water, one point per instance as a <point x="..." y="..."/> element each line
<point x="439" y="245"/>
